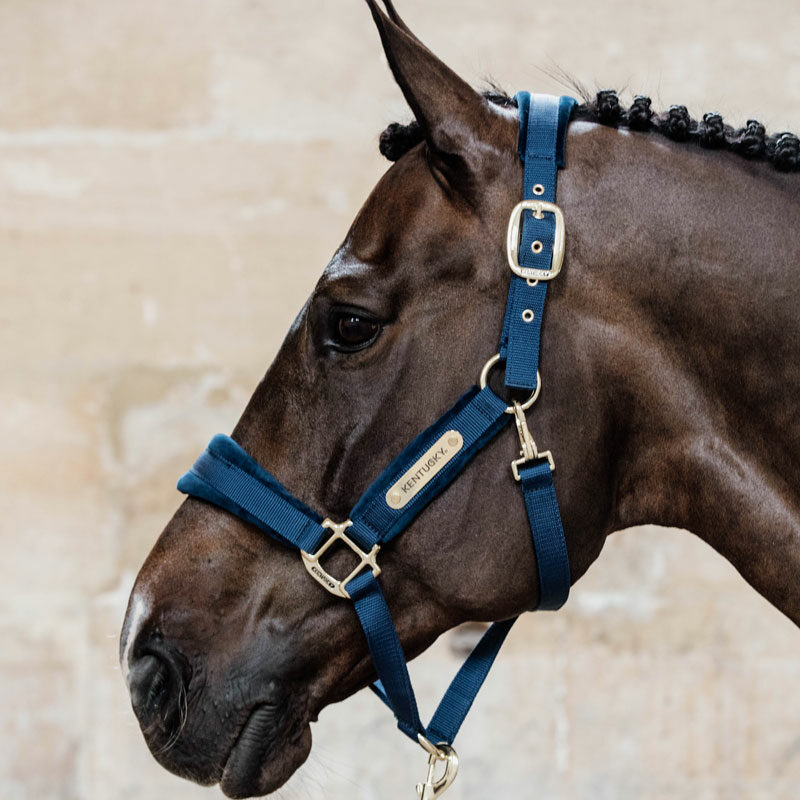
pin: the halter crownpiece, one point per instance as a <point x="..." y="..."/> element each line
<point x="230" y="478"/>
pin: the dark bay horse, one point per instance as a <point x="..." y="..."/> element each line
<point x="671" y="396"/>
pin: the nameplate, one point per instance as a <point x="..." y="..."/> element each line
<point x="424" y="470"/>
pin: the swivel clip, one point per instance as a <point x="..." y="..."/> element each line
<point x="528" y="450"/>
<point x="441" y="753"/>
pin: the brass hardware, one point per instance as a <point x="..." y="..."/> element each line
<point x="527" y="315"/>
<point x="441" y="753"/>
<point x="487" y="368"/>
<point x="536" y="247"/>
<point x="528" y="451"/>
<point x="321" y="576"/>
<point x="538" y="189"/>
<point x="539" y="208"/>
<point x="423" y="470"/>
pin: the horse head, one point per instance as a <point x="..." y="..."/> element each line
<point x="230" y="650"/>
<point x="225" y="632"/>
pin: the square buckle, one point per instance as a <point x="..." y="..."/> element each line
<point x="539" y="208"/>
<point x="322" y="576"/>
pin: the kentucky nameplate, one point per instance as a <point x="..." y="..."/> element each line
<point x="424" y="469"/>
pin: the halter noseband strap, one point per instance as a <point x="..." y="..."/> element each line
<point x="230" y="478"/>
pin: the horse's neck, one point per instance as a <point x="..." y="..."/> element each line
<point x="691" y="259"/>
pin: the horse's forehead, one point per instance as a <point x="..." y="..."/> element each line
<point x="345" y="264"/>
<point x="406" y="206"/>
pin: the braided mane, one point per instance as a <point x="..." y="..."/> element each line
<point x="782" y="150"/>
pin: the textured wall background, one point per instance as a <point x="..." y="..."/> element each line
<point x="159" y="165"/>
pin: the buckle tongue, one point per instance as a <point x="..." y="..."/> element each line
<point x="433" y="787"/>
<point x="322" y="576"/>
<point x="528" y="451"/>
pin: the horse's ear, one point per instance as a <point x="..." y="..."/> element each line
<point x="455" y="119"/>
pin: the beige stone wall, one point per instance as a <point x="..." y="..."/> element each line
<point x="159" y="166"/>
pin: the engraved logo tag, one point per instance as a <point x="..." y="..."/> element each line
<point x="424" y="469"/>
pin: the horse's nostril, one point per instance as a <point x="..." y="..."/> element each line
<point x="156" y="680"/>
<point x="147" y="683"/>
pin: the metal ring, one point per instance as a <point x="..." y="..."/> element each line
<point x="527" y="315"/>
<point x="430" y="748"/>
<point x="531" y="281"/>
<point x="487" y="368"/>
<point x="536" y="247"/>
<point x="538" y="189"/>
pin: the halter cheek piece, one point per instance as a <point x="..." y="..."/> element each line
<point x="228" y="477"/>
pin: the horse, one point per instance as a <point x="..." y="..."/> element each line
<point x="671" y="397"/>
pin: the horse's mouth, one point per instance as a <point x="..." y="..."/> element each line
<point x="265" y="753"/>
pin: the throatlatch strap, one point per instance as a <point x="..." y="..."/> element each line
<point x="552" y="560"/>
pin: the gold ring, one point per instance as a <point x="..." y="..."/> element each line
<point x="487" y="368"/>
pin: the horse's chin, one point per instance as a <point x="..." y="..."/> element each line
<point x="264" y="755"/>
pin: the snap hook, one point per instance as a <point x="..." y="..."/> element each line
<point x="442" y="753"/>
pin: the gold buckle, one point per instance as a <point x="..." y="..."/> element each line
<point x="539" y="208"/>
<point x="322" y="576"/>
<point x="432" y="787"/>
<point x="528" y="451"/>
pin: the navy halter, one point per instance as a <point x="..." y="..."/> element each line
<point x="228" y="477"/>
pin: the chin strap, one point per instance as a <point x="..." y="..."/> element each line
<point x="230" y="478"/>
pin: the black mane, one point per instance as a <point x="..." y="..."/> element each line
<point x="782" y="150"/>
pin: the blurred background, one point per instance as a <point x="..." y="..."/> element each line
<point x="173" y="178"/>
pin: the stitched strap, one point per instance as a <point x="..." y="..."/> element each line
<point x="543" y="125"/>
<point x="461" y="693"/>
<point x="386" y="651"/>
<point x="549" y="543"/>
<point x="228" y="477"/>
<point x="477" y="417"/>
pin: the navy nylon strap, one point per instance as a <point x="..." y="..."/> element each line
<point x="461" y="693"/>
<point x="228" y="477"/>
<point x="549" y="544"/>
<point x="477" y="416"/>
<point x="543" y="124"/>
<point x="386" y="651"/>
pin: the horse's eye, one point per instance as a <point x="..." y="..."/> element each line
<point x="351" y="331"/>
